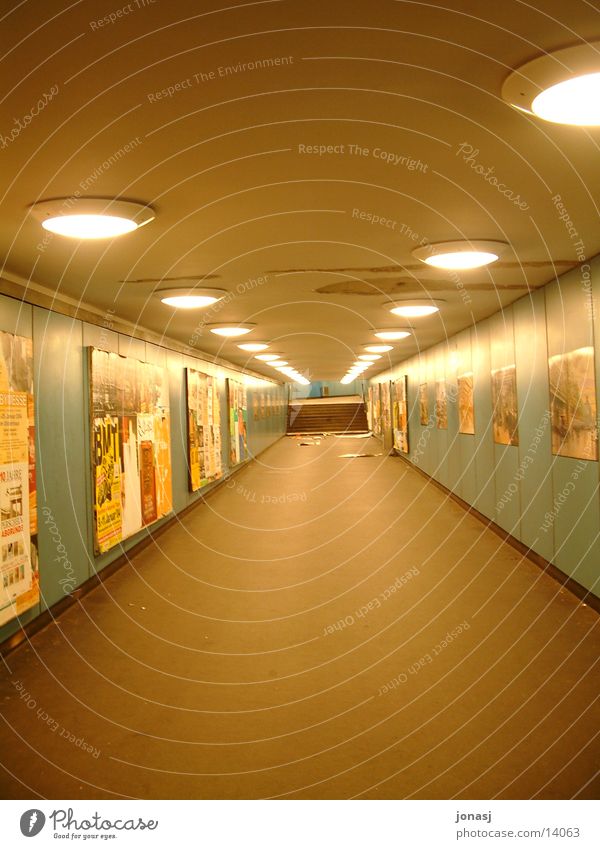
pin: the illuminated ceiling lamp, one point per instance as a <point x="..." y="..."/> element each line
<point x="415" y="307"/>
<point x="562" y="87"/>
<point x="391" y="334"/>
<point x="461" y="255"/>
<point x="190" y="299"/>
<point x="371" y="357"/>
<point x="253" y="346"/>
<point x="91" y="218"/>
<point x="231" y="329"/>
<point x="378" y="349"/>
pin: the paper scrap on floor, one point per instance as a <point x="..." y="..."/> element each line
<point x="352" y="456"/>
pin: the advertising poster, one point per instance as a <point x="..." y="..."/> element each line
<point x="386" y="410"/>
<point x="377" y="417"/>
<point x="131" y="449"/>
<point x="441" y="405"/>
<point x="107" y="479"/>
<point x="573" y="404"/>
<point x="504" y="406"/>
<point x="466" y="408"/>
<point x="19" y="578"/>
<point x="400" y="414"/>
<point x="238" y="422"/>
<point x="204" y="429"/>
<point x="423" y="404"/>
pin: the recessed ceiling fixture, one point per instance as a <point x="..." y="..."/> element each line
<point x="378" y="349"/>
<point x="562" y="87"/>
<point x="460" y="255"/>
<point x="230" y="329"/>
<point x="254" y="346"/>
<point x="91" y="218"/>
<point x="266" y="357"/>
<point x="392" y="334"/>
<point x="371" y="357"/>
<point x="415" y="308"/>
<point x="190" y="299"/>
<point x="279" y="363"/>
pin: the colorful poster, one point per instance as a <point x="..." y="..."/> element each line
<point x="423" y="404"/>
<point x="107" y="478"/>
<point x="131" y="448"/>
<point x="504" y="406"/>
<point x="466" y="407"/>
<point x="204" y="429"/>
<point x="377" y="423"/>
<point x="386" y="410"/>
<point x="238" y="422"/>
<point x="441" y="405"/>
<point x="400" y="414"/>
<point x="19" y="578"/>
<point x="573" y="404"/>
<point x="147" y="483"/>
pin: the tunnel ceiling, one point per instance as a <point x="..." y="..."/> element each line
<point x="295" y="152"/>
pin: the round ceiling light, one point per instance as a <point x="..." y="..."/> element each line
<point x="279" y="363"/>
<point x="460" y="255"/>
<point x="378" y="349"/>
<point x="562" y="87"/>
<point x="190" y="299"/>
<point x="230" y="329"/>
<point x="415" y="308"/>
<point x="371" y="357"/>
<point x="392" y="334"/>
<point x="254" y="346"/>
<point x="91" y="218"/>
<point x="266" y="357"/>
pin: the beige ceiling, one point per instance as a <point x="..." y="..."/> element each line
<point x="237" y="199"/>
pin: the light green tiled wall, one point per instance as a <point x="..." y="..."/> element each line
<point x="517" y="487"/>
<point x="62" y="437"/>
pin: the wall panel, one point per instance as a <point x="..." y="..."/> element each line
<point x="64" y="486"/>
<point x="550" y="503"/>
<point x="62" y="455"/>
<point x="531" y="354"/>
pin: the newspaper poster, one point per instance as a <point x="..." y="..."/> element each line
<point x="423" y="404"/>
<point x="107" y="483"/>
<point x="131" y="449"/>
<point x="573" y="404"/>
<point x="400" y="415"/>
<point x="466" y="407"/>
<point x="441" y="405"/>
<point x="505" y="411"/>
<point x="19" y="578"/>
<point x="204" y="429"/>
<point x="238" y="422"/>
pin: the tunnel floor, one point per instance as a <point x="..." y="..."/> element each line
<point x="318" y="627"/>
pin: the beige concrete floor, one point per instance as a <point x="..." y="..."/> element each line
<point x="211" y="667"/>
